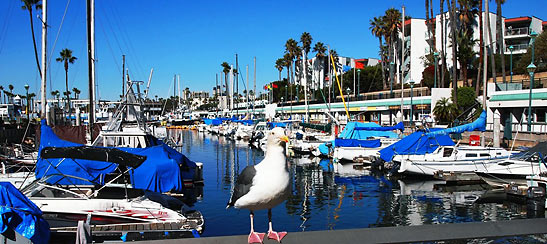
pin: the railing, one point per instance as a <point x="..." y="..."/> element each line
<point x="517" y="47"/>
<point x="516" y="31"/>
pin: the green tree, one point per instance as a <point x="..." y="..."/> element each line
<point x="1" y="93"/>
<point x="391" y="22"/>
<point x="466" y="97"/>
<point x="378" y="30"/>
<point x="29" y="5"/>
<point x="540" y="55"/>
<point x="76" y="92"/>
<point x="445" y="111"/>
<point x="66" y="58"/>
<point x="10" y="95"/>
<point x="279" y="64"/>
<point x="499" y="36"/>
<point x="320" y="53"/>
<point x="226" y="70"/>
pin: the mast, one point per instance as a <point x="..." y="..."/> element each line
<point x="247" y="93"/>
<point x="90" y="60"/>
<point x="123" y="76"/>
<point x="44" y="59"/>
<point x="485" y="63"/>
<point x="216" y="91"/>
<point x="237" y="84"/>
<point x="305" y="83"/>
<point x="401" y="65"/>
<point x="231" y="86"/>
<point x="254" y="86"/>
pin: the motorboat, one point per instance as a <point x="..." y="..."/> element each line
<point x="451" y="159"/>
<point x="515" y="170"/>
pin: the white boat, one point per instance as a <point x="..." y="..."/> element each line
<point x="451" y="159"/>
<point x="514" y="171"/>
<point x="361" y="154"/>
<point x="65" y="206"/>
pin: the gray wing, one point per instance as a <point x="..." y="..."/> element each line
<point x="243" y="184"/>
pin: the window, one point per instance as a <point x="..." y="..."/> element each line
<point x="447" y="152"/>
<point x="540" y="115"/>
<point x="485" y="155"/>
<point x="470" y="155"/>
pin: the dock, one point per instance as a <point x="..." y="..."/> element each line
<point x="399" y="234"/>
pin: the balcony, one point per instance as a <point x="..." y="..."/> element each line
<point x="521" y="31"/>
<point x="517" y="48"/>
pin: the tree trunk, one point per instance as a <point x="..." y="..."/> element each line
<point x="34" y="41"/>
<point x="499" y="36"/>
<point x="454" y="59"/>
<point x="443" y="51"/>
<point x="491" y="50"/>
<point x="66" y="86"/>
<point x="481" y="52"/>
<point x="384" y="82"/>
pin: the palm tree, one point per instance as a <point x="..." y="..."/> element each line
<point x="306" y="40"/>
<point x="29" y="5"/>
<point x="377" y="29"/>
<point x="279" y="64"/>
<point x="76" y="92"/>
<point x="320" y="50"/>
<point x="55" y="94"/>
<point x="454" y="48"/>
<point x="481" y="51"/>
<point x="2" y="91"/>
<point x="392" y="23"/>
<point x="464" y="39"/>
<point x="30" y="98"/>
<point x="445" y="111"/>
<point x="66" y="57"/>
<point x="226" y="70"/>
<point x="10" y="96"/>
<point x="292" y="48"/>
<point x="499" y="36"/>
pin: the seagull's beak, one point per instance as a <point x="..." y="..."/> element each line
<point x="284" y="138"/>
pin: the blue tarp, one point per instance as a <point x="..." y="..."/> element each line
<point x="479" y="124"/>
<point x="272" y="125"/>
<point x="400" y="126"/>
<point x="163" y="170"/>
<point x="212" y="121"/>
<point x="20" y="214"/>
<point x="357" y="143"/>
<point x="350" y="132"/>
<point x="417" y="143"/>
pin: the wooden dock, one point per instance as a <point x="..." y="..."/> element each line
<point x="401" y="234"/>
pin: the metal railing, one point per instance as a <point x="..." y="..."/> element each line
<point x="516" y="47"/>
<point x="516" y="31"/>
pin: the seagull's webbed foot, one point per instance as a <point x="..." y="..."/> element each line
<point x="255" y="237"/>
<point x="278" y="236"/>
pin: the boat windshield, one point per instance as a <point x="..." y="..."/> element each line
<point x="39" y="188"/>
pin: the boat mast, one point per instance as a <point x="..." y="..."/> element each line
<point x="485" y="65"/>
<point x="254" y="86"/>
<point x="401" y="65"/>
<point x="247" y="93"/>
<point x="44" y="60"/>
<point x="90" y="62"/>
<point x="305" y="83"/>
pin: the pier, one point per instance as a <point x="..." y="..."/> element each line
<point x="399" y="234"/>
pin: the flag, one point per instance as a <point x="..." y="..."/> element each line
<point x="346" y="68"/>
<point x="274" y="85"/>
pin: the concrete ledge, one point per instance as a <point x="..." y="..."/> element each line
<point x="401" y="234"/>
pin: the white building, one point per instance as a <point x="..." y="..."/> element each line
<point x="517" y="33"/>
<point x="318" y="69"/>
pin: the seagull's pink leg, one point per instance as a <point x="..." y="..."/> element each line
<point x="254" y="237"/>
<point x="278" y="236"/>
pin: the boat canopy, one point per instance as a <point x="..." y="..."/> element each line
<point x="212" y="121"/>
<point x="339" y="142"/>
<point x="417" y="143"/>
<point x="354" y="130"/>
<point x="400" y="126"/>
<point x="20" y="214"/>
<point x="104" y="154"/>
<point x="163" y="169"/>
<point x="479" y="124"/>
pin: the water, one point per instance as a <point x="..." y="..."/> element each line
<point x="328" y="196"/>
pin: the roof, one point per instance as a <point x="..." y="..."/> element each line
<point x="544" y="23"/>
<point x="518" y="19"/>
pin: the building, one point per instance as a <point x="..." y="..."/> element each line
<point x="318" y="69"/>
<point x="517" y="33"/>
<point x="416" y="43"/>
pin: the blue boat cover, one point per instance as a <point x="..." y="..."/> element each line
<point x="400" y="126"/>
<point x="212" y="121"/>
<point x="272" y="125"/>
<point x="350" y="131"/>
<point x="20" y="214"/>
<point x="163" y="170"/>
<point x="417" y="143"/>
<point x="357" y="143"/>
<point x="479" y="124"/>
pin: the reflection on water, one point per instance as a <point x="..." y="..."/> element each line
<point x="332" y="196"/>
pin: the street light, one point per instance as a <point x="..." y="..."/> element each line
<point x="531" y="69"/>
<point x="511" y="64"/>
<point x="359" y="83"/>
<point x="435" y="56"/>
<point x="348" y="91"/>
<point x="28" y="117"/>
<point x="411" y="82"/>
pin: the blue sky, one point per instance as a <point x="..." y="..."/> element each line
<point x="191" y="38"/>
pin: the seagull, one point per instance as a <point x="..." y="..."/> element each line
<point x="265" y="185"/>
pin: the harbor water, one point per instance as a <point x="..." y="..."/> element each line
<point x="331" y="196"/>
